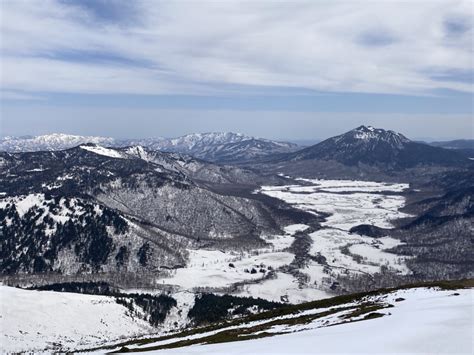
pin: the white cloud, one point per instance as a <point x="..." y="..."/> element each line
<point x="195" y="47"/>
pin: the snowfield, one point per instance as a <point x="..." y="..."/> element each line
<point x="354" y="185"/>
<point x="420" y="321"/>
<point x="345" y="204"/>
<point x="112" y="153"/>
<point x="40" y="320"/>
<point x="286" y="286"/>
<point x="221" y="268"/>
<point x="210" y="268"/>
<point x="348" y="203"/>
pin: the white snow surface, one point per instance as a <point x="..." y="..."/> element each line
<point x="37" y="320"/>
<point x="427" y="321"/>
<point x="102" y="151"/>
<point x="347" y="207"/>
<point x="348" y="203"/>
<point x="210" y="268"/>
<point x="354" y="185"/>
<point x="284" y="285"/>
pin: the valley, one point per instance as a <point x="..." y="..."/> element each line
<point x="163" y="242"/>
<point x="301" y="275"/>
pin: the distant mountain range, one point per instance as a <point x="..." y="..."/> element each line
<point x="50" y="142"/>
<point x="362" y="145"/>
<point x="226" y="147"/>
<point x="461" y="146"/>
<point x="455" y="144"/>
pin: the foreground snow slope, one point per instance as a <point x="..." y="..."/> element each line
<point x="39" y="320"/>
<point x="422" y="320"/>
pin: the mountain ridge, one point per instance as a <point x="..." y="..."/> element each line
<point x="211" y="146"/>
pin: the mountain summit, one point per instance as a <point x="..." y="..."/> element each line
<point x="368" y="135"/>
<point x="376" y="146"/>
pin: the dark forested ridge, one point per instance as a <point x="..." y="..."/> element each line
<point x="94" y="209"/>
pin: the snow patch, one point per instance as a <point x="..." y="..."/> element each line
<point x="102" y="151"/>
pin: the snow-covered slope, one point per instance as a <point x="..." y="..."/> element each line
<point x="40" y="320"/>
<point x="406" y="321"/>
<point x="409" y="320"/>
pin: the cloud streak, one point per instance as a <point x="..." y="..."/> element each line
<point x="163" y="47"/>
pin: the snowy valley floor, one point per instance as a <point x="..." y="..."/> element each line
<point x="348" y="203"/>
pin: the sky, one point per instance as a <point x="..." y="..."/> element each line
<point x="299" y="70"/>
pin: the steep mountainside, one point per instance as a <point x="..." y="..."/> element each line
<point x="91" y="208"/>
<point x="441" y="236"/>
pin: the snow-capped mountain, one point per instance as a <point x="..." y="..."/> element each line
<point x="214" y="146"/>
<point x="378" y="147"/>
<point x="49" y="142"/>
<point x="199" y="142"/>
<point x="224" y="147"/>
